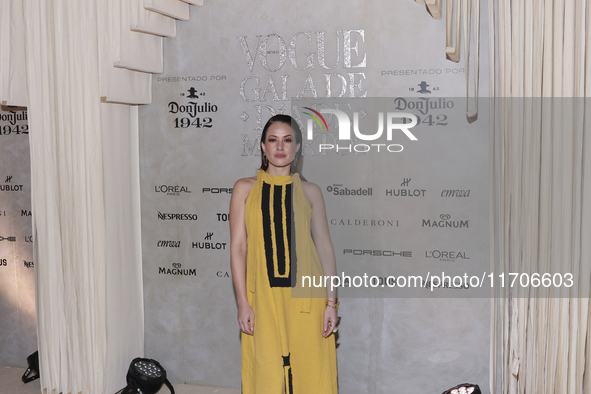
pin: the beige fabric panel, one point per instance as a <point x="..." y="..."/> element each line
<point x="540" y="186"/>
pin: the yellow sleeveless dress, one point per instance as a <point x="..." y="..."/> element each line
<point x="287" y="353"/>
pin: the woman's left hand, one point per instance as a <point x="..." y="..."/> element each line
<point x="330" y="321"/>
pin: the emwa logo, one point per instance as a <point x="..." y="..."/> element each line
<point x="344" y="126"/>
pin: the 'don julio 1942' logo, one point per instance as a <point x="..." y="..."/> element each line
<point x="13" y="123"/>
<point x="194" y="113"/>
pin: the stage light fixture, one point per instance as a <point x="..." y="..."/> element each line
<point x="33" y="361"/>
<point x="464" y="388"/>
<point x="145" y="376"/>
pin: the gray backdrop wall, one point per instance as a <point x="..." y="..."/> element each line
<point x="18" y="335"/>
<point x="230" y="68"/>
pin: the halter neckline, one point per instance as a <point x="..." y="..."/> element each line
<point x="276" y="179"/>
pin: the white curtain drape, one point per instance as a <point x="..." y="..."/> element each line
<point x="540" y="51"/>
<point x="542" y="192"/>
<point x="462" y="24"/>
<point x="76" y="65"/>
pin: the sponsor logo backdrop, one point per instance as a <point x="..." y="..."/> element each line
<point x="390" y="212"/>
<point x="18" y="334"/>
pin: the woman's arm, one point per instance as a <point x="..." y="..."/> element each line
<point x="238" y="248"/>
<point x="323" y="243"/>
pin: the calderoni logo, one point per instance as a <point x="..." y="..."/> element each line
<point x="340" y="190"/>
<point x="356" y="222"/>
<point x="177" y="216"/>
<point x="344" y="130"/>
<point x="445" y="221"/>
<point x="378" y="253"/>
<point x="446" y="255"/>
<point x="172" y="190"/>
<point x="177" y="270"/>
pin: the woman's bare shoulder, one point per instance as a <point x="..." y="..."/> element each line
<point x="244" y="186"/>
<point x="312" y="192"/>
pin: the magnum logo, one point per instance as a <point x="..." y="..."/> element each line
<point x="445" y="222"/>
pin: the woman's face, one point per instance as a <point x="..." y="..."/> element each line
<point x="280" y="145"/>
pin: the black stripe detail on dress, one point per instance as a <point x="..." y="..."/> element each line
<point x="268" y="234"/>
<point x="287" y="369"/>
<point x="293" y="266"/>
<point x="279" y="235"/>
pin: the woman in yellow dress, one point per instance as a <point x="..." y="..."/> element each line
<point x="279" y="233"/>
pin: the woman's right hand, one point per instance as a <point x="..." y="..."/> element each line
<point x="246" y="319"/>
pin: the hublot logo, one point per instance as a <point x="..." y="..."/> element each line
<point x="405" y="192"/>
<point x="9" y="187"/>
<point x="209" y="245"/>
